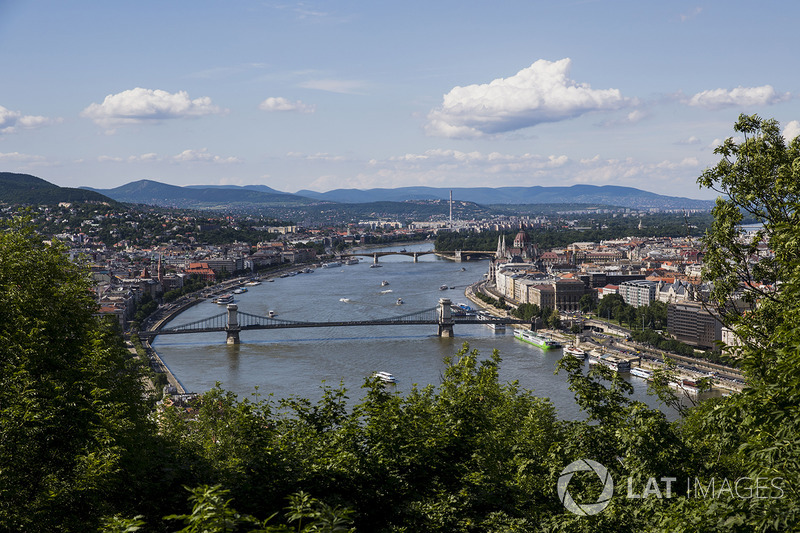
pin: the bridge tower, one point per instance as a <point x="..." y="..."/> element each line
<point x="232" y="327"/>
<point x="445" y="318"/>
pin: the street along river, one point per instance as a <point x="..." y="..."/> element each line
<point x="295" y="362"/>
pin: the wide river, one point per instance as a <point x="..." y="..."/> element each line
<point x="295" y="362"/>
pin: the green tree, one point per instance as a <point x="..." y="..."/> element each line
<point x="71" y="412"/>
<point x="587" y="303"/>
<point x="755" y="433"/>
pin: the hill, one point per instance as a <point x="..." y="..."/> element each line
<point x="576" y="194"/>
<point x="202" y="197"/>
<point x="27" y="189"/>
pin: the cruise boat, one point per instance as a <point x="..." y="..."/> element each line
<point x="385" y="377"/>
<point x="617" y="364"/>
<point x="640" y="372"/>
<point x="332" y="264"/>
<point x="225" y="299"/>
<point x="352" y="261"/>
<point x="575" y="352"/>
<point x="540" y="341"/>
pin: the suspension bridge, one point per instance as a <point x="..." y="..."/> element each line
<point x="233" y="322"/>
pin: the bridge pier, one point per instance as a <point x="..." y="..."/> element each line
<point x="457" y="256"/>
<point x="374" y="259"/>
<point x="232" y="327"/>
<point x="416" y="257"/>
<point x="445" y="318"/>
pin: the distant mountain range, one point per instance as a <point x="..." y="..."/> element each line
<point x="27" y="189"/>
<point x="576" y="194"/>
<point x="24" y="188"/>
<point x="207" y="196"/>
<point x="202" y="196"/>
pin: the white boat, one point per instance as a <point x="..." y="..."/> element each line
<point x="345" y="300"/>
<point x="497" y="327"/>
<point x="640" y="372"/>
<point x="271" y="313"/>
<point x="617" y="364"/>
<point x="225" y="299"/>
<point x="332" y="264"/>
<point x="399" y="301"/>
<point x="385" y="377"/>
<point x="352" y="261"/>
<point x="540" y="341"/>
<point x="577" y="353"/>
<point x="387" y="291"/>
<point x="240" y="290"/>
<point x="253" y="283"/>
<point x="384" y="283"/>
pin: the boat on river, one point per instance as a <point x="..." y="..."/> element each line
<point x="640" y="372"/>
<point x="332" y="264"/>
<point x="385" y="377"/>
<point x="540" y="341"/>
<point x="399" y="301"/>
<point x="575" y="352"/>
<point x="384" y="283"/>
<point x="225" y="299"/>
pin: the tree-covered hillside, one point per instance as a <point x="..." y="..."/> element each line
<point x="27" y="189"/>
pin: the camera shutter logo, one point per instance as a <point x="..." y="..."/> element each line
<point x="585" y="509"/>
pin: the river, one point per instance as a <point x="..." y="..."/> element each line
<point x="295" y="362"/>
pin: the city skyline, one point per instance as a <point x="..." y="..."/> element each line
<point x="323" y="96"/>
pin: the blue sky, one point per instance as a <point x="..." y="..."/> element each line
<point x="325" y="95"/>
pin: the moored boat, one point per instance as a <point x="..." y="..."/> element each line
<point x="617" y="364"/>
<point x="640" y="372"/>
<point x="575" y="352"/>
<point x="540" y="341"/>
<point x="332" y="264"/>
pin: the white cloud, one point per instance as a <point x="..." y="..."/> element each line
<point x="187" y="156"/>
<point x="740" y="96"/>
<point x="791" y="130"/>
<point x="202" y="156"/>
<point x="335" y="86"/>
<point x="690" y="141"/>
<point x="16" y="157"/>
<point x="136" y="106"/>
<point x="277" y="103"/>
<point x="319" y="156"/>
<point x="540" y="93"/>
<point x="12" y="121"/>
